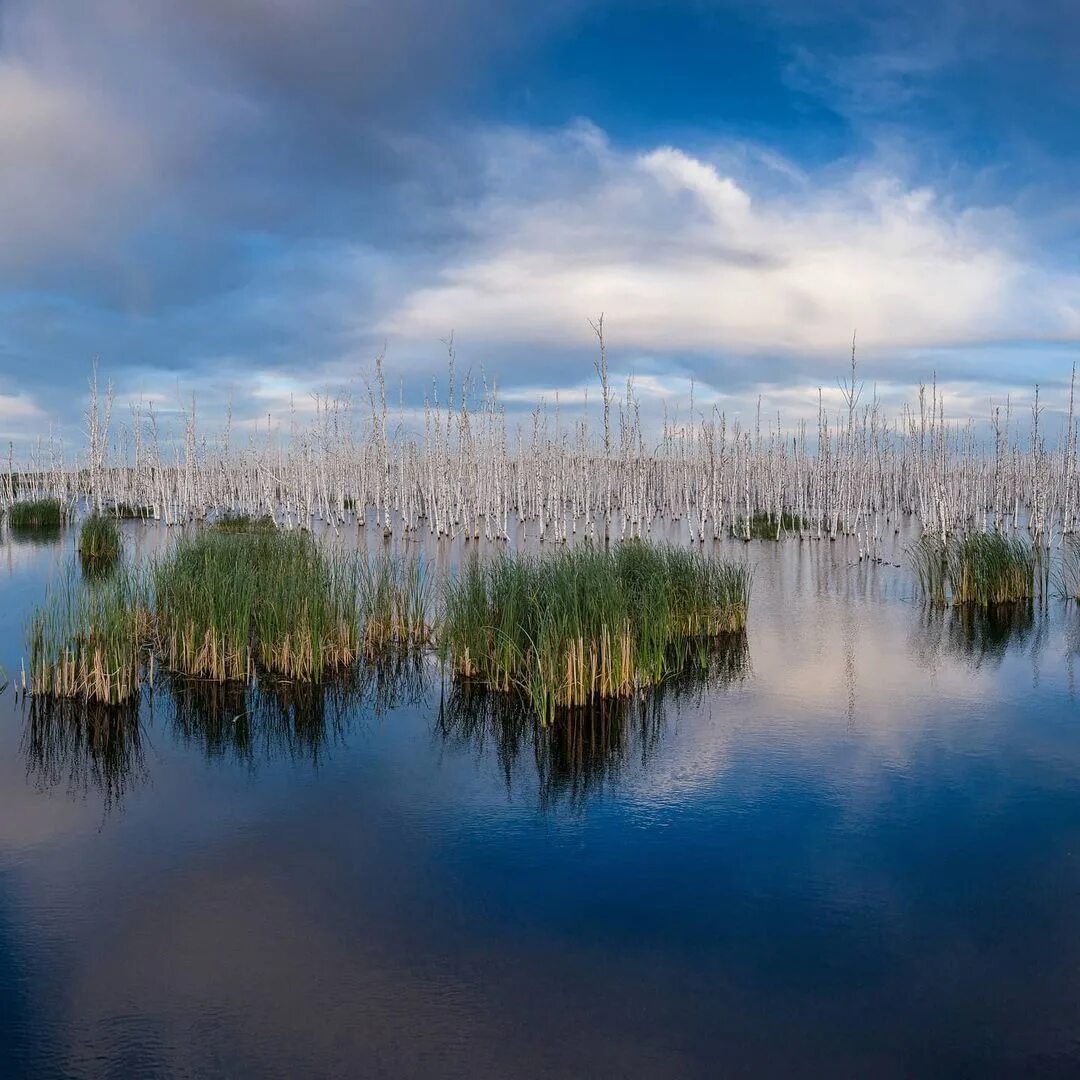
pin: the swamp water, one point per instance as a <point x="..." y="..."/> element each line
<point x="854" y="849"/>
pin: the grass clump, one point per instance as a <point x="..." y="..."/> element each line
<point x="226" y="600"/>
<point x="99" y="541"/>
<point x="305" y="616"/>
<point x="395" y="604"/>
<point x="980" y="569"/>
<point x="768" y="526"/>
<point x="89" y="640"/>
<point x="204" y="599"/>
<point x="222" y="607"/>
<point x="245" y="523"/>
<point x="37" y="514"/>
<point x="586" y="624"/>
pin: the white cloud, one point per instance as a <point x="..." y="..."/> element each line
<point x="680" y="255"/>
<point x="20" y="416"/>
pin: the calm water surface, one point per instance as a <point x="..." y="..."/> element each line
<point x="854" y="851"/>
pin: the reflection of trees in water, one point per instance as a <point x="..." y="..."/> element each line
<point x="34" y="535"/>
<point x="101" y="748"/>
<point x="588" y="749"/>
<point x="978" y="636"/>
<point x="1072" y="647"/>
<point x="232" y="721"/>
<point x="85" y="747"/>
<point x="96" y="747"/>
<point x="279" y="718"/>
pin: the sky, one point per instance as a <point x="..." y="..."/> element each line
<point x="251" y="199"/>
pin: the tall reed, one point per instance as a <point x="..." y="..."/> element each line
<point x="586" y="623"/>
<point x="244" y="523"/>
<point x="99" y="541"/>
<point x="395" y="604"/>
<point x="205" y="592"/>
<point x="305" y="615"/>
<point x="37" y="514"/>
<point x="982" y="569"/>
<point x="89" y="639"/>
<point x="228" y="600"/>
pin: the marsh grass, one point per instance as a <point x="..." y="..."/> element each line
<point x="577" y="626"/>
<point x="306" y="614"/>
<point x="396" y="597"/>
<point x="88" y="641"/>
<point x="768" y="526"/>
<point x="226" y="606"/>
<point x="205" y="592"/>
<point x="99" y="542"/>
<point x="980" y="569"/>
<point x="244" y="523"/>
<point x="228" y="600"/>
<point x="46" y="514"/>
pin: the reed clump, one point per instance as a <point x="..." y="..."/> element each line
<point x="244" y="523"/>
<point x="89" y="640"/>
<point x="587" y="624"/>
<point x="395" y="604"/>
<point x="769" y="526"/>
<point x="980" y="569"/>
<point x="37" y="514"/>
<point x="99" y="541"/>
<point x="223" y="606"/>
<point x="225" y="601"/>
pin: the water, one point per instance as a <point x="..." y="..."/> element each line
<point x="855" y="852"/>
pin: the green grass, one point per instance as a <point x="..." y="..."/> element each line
<point x="980" y="569"/>
<point x="395" y="604"/>
<point x="37" y="514"/>
<point x="225" y="606"/>
<point x="586" y="624"/>
<point x="306" y="615"/>
<point x="226" y="601"/>
<point x="205" y="591"/>
<point x="99" y="541"/>
<point x="244" y="523"/>
<point x="89" y="640"/>
<point x="768" y="526"/>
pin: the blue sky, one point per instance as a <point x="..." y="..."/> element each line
<point x="253" y="197"/>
